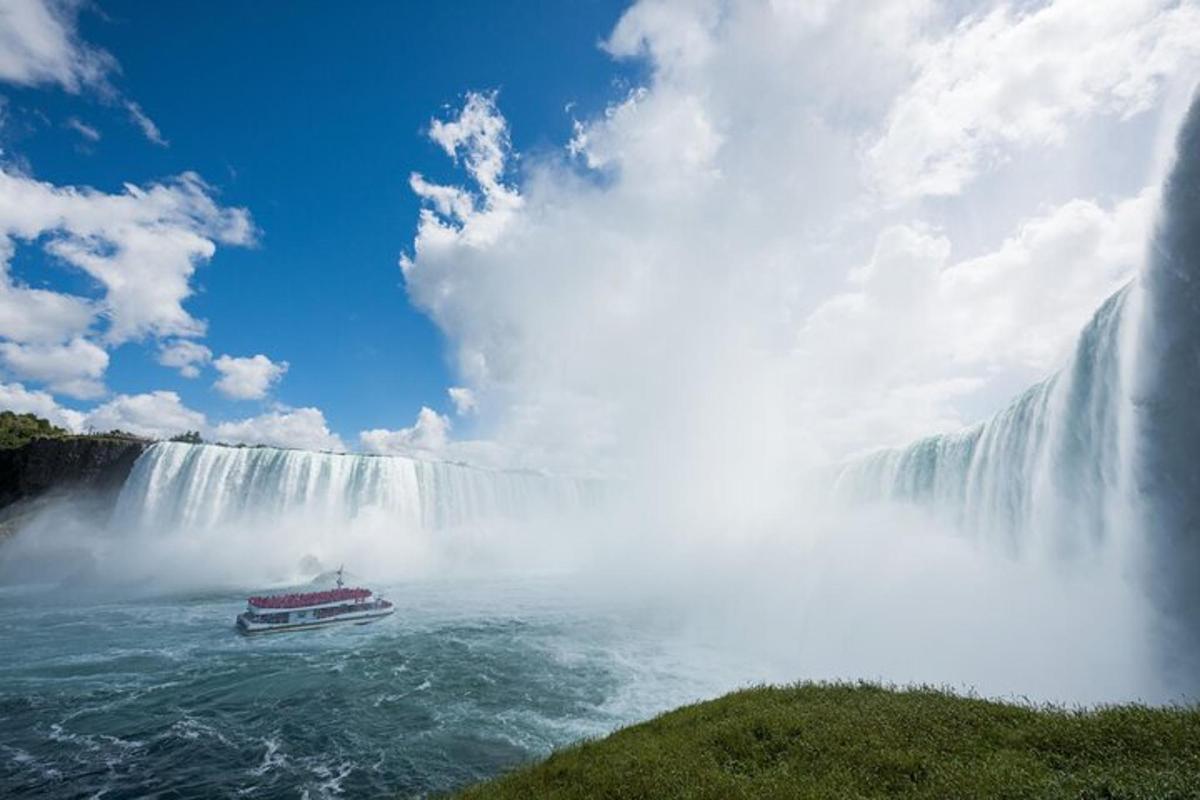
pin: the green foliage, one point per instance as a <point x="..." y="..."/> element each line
<point x="865" y="741"/>
<point x="188" y="437"/>
<point x="19" y="429"/>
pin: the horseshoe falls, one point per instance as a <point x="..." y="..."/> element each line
<point x="1050" y="471"/>
<point x="199" y="514"/>
<point x="176" y="485"/>
<point x="1100" y="461"/>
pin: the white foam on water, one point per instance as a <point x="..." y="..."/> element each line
<point x="272" y="757"/>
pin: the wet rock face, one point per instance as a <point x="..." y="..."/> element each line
<point x="96" y="464"/>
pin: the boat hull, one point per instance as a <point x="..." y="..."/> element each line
<point x="248" y="628"/>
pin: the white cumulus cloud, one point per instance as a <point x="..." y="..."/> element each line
<point x="184" y="355"/>
<point x="39" y="44"/>
<point x="155" y="415"/>
<point x="705" y="275"/>
<point x="142" y="246"/>
<point x="248" y="378"/>
<point x="162" y="414"/>
<point x="74" y="369"/>
<point x="302" y="428"/>
<point x="1015" y="77"/>
<point x="427" y="434"/>
<point x="918" y="333"/>
<point x="40" y="315"/>
<point x="478" y="137"/>
<point x="15" y="397"/>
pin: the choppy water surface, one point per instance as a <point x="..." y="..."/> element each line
<point x="161" y="696"/>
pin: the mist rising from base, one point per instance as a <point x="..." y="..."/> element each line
<point x="815" y="590"/>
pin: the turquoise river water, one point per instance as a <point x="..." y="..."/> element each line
<point x="159" y="697"/>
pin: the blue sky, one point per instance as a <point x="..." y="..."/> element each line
<point x="761" y="235"/>
<point x="312" y="119"/>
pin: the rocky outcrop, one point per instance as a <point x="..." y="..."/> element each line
<point x="96" y="464"/>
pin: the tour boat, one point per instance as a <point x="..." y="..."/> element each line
<point x="294" y="612"/>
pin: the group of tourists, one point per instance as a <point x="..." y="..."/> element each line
<point x="310" y="598"/>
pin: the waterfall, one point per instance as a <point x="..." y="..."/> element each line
<point x="175" y="485"/>
<point x="1049" y="470"/>
<point x="1105" y="454"/>
<point x="1107" y="446"/>
<point x="1166" y="388"/>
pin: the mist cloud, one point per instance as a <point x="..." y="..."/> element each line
<point x="708" y="268"/>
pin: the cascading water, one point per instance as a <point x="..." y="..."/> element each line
<point x="1050" y="470"/>
<point x="175" y="486"/>
<point x="1103" y="456"/>
<point x="1166" y="391"/>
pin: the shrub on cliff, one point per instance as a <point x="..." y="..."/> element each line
<point x="19" y="429"/>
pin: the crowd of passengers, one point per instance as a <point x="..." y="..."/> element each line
<point x="309" y="598"/>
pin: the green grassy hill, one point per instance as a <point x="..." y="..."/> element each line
<point x="863" y="741"/>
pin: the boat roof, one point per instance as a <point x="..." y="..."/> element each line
<point x="303" y="599"/>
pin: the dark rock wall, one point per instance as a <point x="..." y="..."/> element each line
<point x="97" y="464"/>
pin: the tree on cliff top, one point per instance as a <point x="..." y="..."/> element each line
<point x="18" y="429"/>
